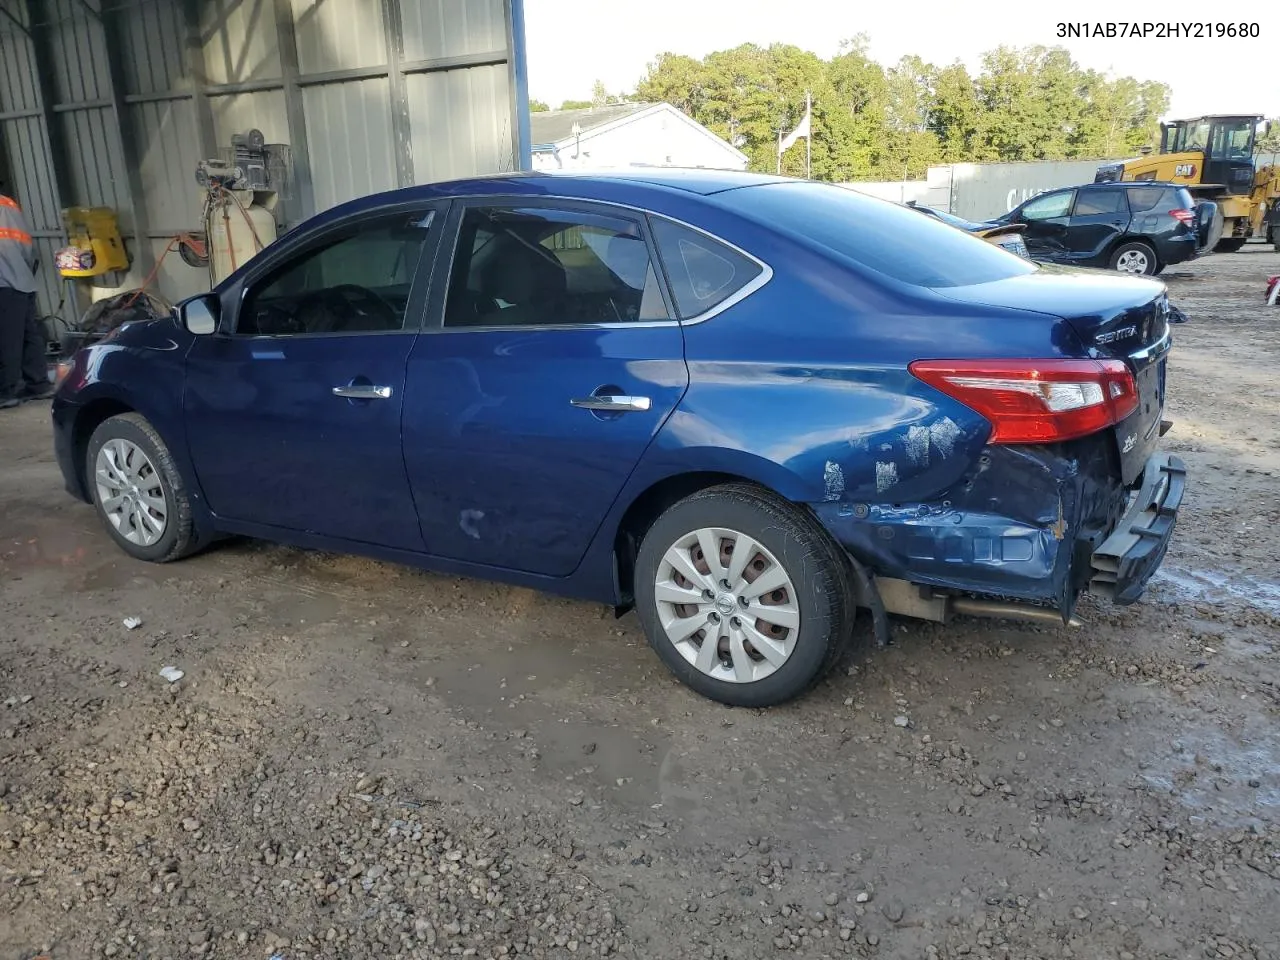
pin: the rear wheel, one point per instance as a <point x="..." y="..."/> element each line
<point x="744" y="596"/>
<point x="1135" y="258"/>
<point x="1229" y="244"/>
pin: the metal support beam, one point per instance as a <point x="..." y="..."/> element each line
<point x="63" y="188"/>
<point x="143" y="255"/>
<point x="343" y="76"/>
<point x="461" y="61"/>
<point x="74" y="105"/>
<point x="206" y="134"/>
<point x="22" y="27"/>
<point x="401" y="130"/>
<point x="44" y="54"/>
<point x="295" y="114"/>
<point x="521" y="139"/>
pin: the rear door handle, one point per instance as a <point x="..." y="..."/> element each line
<point x="612" y="403"/>
<point x="362" y="392"/>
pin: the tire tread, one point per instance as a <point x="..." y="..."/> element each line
<point x="186" y="542"/>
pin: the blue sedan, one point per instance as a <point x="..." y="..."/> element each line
<point x="747" y="406"/>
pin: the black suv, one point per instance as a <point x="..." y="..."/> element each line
<point x="1138" y="227"/>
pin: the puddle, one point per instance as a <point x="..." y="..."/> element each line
<point x="46" y="545"/>
<point x="1211" y="774"/>
<point x="1214" y="586"/>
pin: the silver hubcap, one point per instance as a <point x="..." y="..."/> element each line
<point x="727" y="605"/>
<point x="1132" y="261"/>
<point x="130" y="493"/>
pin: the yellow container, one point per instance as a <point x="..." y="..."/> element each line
<point x="95" y="229"/>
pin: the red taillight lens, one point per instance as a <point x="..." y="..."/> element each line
<point x="1037" y="401"/>
<point x="1184" y="217"/>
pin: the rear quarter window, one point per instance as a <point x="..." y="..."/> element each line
<point x="703" y="272"/>
<point x="1159" y="199"/>
<point x="881" y="236"/>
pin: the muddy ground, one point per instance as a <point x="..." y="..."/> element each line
<point x="367" y="761"/>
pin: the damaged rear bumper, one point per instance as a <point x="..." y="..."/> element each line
<point x="1031" y="527"/>
<point x="1128" y="558"/>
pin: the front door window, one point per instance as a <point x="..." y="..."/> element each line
<point x="355" y="282"/>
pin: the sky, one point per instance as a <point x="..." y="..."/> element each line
<point x="572" y="43"/>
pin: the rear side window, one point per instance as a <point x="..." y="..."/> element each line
<point x="1094" y="202"/>
<point x="881" y="236"/>
<point x="518" y="267"/>
<point x="704" y="273"/>
<point x="1146" y="199"/>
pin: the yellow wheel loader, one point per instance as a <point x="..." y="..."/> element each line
<point x="1214" y="158"/>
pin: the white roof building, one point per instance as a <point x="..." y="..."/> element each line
<point x="627" y="135"/>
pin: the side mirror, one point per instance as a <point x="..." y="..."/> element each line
<point x="199" y="315"/>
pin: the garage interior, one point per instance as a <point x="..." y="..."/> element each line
<point x="112" y="105"/>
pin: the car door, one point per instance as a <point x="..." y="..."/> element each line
<point x="550" y="361"/>
<point x="1046" y="217"/>
<point x="293" y="409"/>
<point x="1100" y="216"/>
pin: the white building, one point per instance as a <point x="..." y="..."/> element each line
<point x="627" y="135"/>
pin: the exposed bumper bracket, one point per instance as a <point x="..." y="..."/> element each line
<point x="1128" y="558"/>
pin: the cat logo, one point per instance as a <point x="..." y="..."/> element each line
<point x="1185" y="170"/>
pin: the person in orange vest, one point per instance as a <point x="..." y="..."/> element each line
<point x="23" y="375"/>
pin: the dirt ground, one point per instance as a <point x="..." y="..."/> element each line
<point x="363" y="760"/>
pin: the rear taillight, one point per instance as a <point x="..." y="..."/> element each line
<point x="1037" y="401"/>
<point x="1184" y="217"/>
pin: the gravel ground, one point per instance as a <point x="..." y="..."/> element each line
<point x="367" y="761"/>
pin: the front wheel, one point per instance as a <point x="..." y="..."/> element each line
<point x="137" y="490"/>
<point x="744" y="596"/>
<point x="1229" y="244"/>
<point x="1136" y="258"/>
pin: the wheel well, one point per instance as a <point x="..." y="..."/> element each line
<point x="644" y="510"/>
<point x="87" y="421"/>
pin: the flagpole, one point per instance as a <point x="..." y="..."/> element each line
<point x="808" y="141"/>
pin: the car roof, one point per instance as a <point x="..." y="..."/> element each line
<point x="691" y="179"/>
<point x="702" y="181"/>
<point x="1131" y="184"/>
<point x="598" y="185"/>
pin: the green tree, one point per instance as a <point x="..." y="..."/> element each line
<point x="869" y="121"/>
<point x="576" y="104"/>
<point x="675" y="79"/>
<point x="538" y="106"/>
<point x="955" y="114"/>
<point x="1271" y="142"/>
<point x="861" y="89"/>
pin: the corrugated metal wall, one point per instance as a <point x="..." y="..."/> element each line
<point x="113" y="102"/>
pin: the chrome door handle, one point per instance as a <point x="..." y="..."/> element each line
<point x="612" y="403"/>
<point x="362" y="392"/>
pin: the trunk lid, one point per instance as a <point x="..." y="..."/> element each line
<point x="1115" y="316"/>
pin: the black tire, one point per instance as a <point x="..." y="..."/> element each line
<point x="179" y="537"/>
<point x="816" y="566"/>
<point x="1134" y="251"/>
<point x="1229" y="244"/>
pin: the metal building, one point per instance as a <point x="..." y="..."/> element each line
<point x="113" y="102"/>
